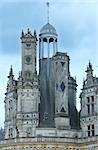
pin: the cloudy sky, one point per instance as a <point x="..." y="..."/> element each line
<point x="76" y="22"/>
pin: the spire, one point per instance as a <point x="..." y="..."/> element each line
<point x="89" y="72"/>
<point x="47" y="12"/>
<point x="89" y="67"/>
<point x="11" y="72"/>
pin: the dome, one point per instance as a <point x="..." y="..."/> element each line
<point x="48" y="29"/>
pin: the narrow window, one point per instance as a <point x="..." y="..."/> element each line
<point x="92" y="108"/>
<point x="9" y="112"/>
<point x="9" y="132"/>
<point x="88" y="109"/>
<point x="89" y="130"/>
<point x="92" y="104"/>
<point x="88" y="105"/>
<point x="92" y="98"/>
<point x="93" y="130"/>
<point x="88" y="100"/>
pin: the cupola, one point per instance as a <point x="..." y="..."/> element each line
<point x="47" y="40"/>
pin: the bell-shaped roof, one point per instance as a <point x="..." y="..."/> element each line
<point x="48" y="29"/>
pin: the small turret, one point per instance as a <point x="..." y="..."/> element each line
<point x="89" y="69"/>
<point x="89" y="104"/>
<point x="89" y="72"/>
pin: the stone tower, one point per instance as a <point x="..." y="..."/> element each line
<point x="28" y="55"/>
<point x="47" y="49"/>
<point x="61" y="90"/>
<point x="89" y="104"/>
<point x="23" y="96"/>
<point x="10" y="106"/>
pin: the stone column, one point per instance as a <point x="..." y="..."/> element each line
<point x="39" y="48"/>
<point x="42" y="48"/>
<point x="54" y="46"/>
<point x="48" y="48"/>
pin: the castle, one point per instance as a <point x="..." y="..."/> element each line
<point x="40" y="109"/>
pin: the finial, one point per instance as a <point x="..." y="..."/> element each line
<point x="35" y="32"/>
<point x="20" y="75"/>
<point x="11" y="72"/>
<point x="89" y="62"/>
<point x="90" y="65"/>
<point x="28" y="31"/>
<point x="22" y="33"/>
<point x="47" y="12"/>
<point x="35" y="35"/>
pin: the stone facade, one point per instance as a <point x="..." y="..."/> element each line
<point x="40" y="109"/>
<point x="23" y="96"/>
<point x="89" y="104"/>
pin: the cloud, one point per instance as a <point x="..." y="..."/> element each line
<point x="77" y="22"/>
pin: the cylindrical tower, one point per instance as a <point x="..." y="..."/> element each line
<point x="47" y="41"/>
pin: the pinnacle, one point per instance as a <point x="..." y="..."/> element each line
<point x="11" y="72"/>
